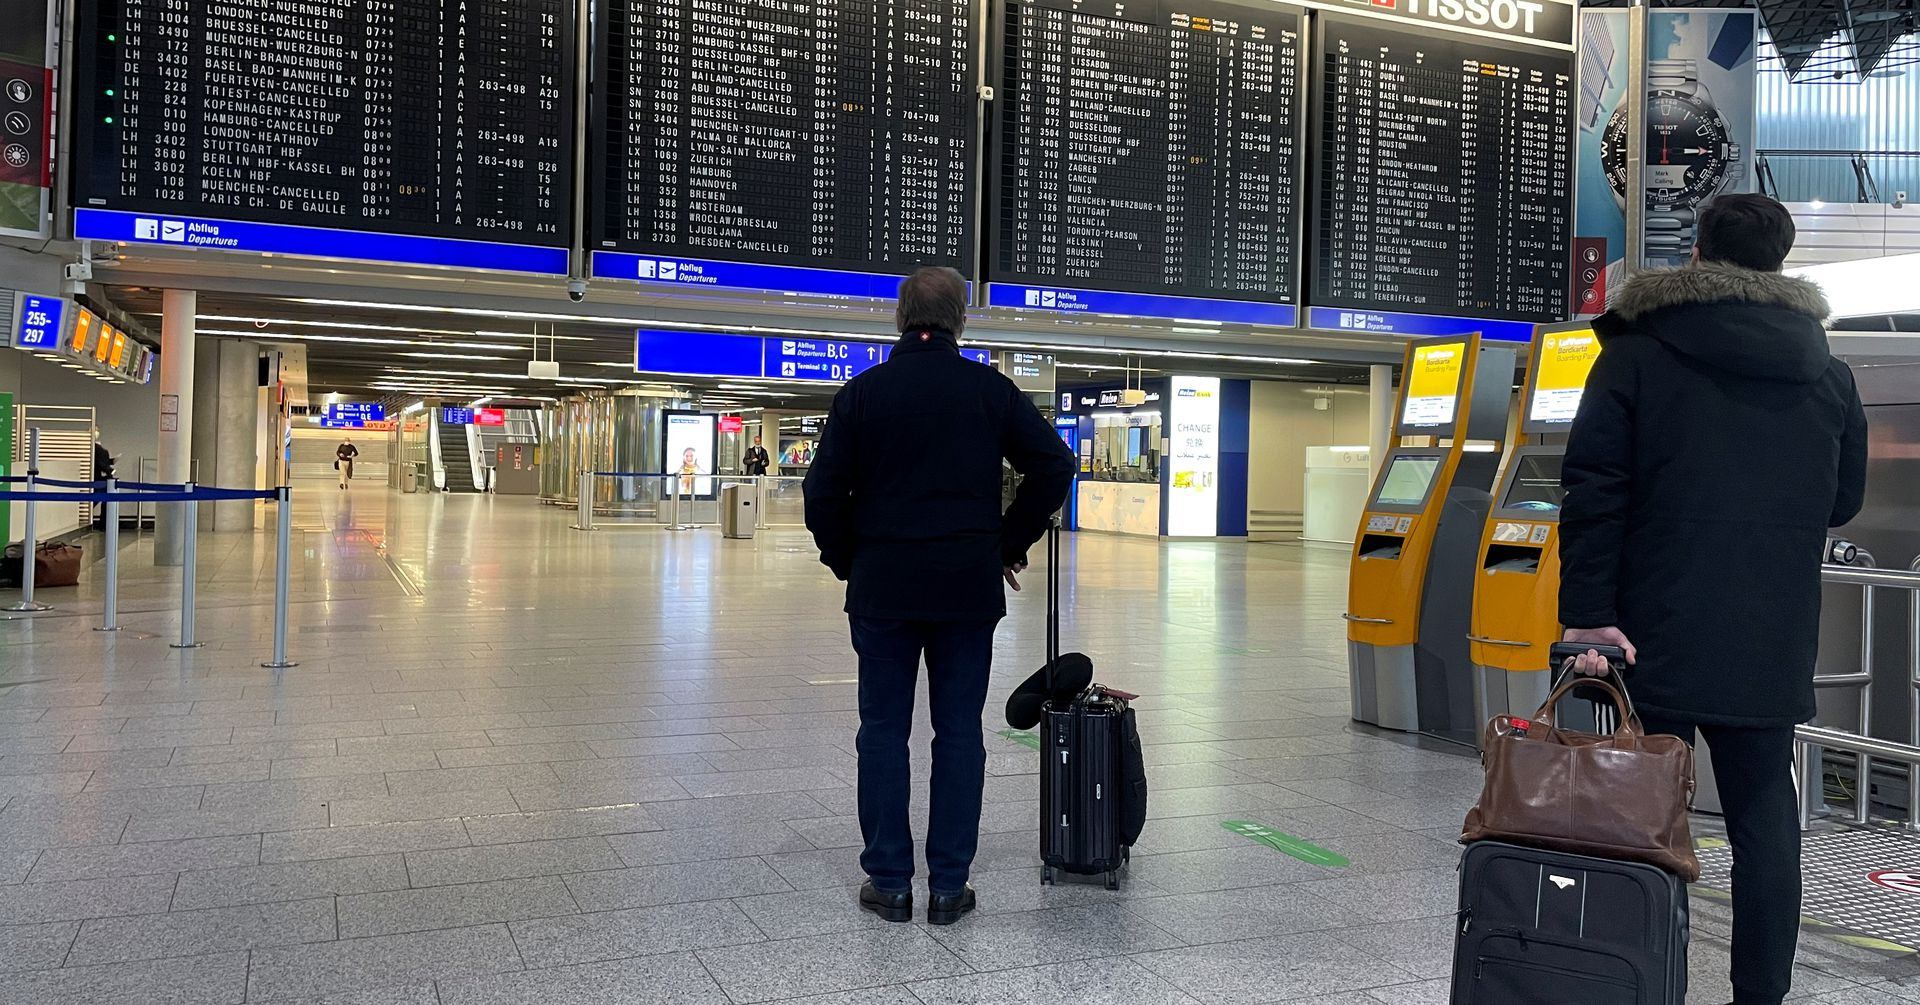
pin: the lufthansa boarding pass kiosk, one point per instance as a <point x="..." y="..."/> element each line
<point x="1410" y="590"/>
<point x="1516" y="596"/>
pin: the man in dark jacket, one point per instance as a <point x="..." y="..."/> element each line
<point x="1716" y="443"/>
<point x="903" y="499"/>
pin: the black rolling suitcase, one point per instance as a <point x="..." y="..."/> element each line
<point x="1541" y="927"/>
<point x="1093" y="777"/>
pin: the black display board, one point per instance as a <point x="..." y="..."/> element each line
<point x="435" y="118"/>
<point x="1444" y="174"/>
<point x="1148" y="147"/>
<point x="829" y="134"/>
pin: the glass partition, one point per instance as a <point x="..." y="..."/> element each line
<point x="1126" y="447"/>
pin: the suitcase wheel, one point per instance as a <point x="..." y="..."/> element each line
<point x="1113" y="880"/>
<point x="1046" y="875"/>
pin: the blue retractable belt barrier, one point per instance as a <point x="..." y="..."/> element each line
<point x="64" y="483"/>
<point x="153" y="487"/>
<point x="641" y="474"/>
<point x="13" y="479"/>
<point x="200" y="495"/>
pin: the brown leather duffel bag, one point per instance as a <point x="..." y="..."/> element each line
<point x="56" y="564"/>
<point x="1623" y="797"/>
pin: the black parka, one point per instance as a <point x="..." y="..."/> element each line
<point x="903" y="497"/>
<point x="1717" y="441"/>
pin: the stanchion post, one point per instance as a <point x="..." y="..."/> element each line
<point x="189" y="569"/>
<point x="282" y="552"/>
<point x="110" y="603"/>
<point x="585" y="520"/>
<point x="677" y="523"/>
<point x="29" y="543"/>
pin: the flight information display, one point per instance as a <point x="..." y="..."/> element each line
<point x="443" y="119"/>
<point x="1444" y="175"/>
<point x="1148" y="148"/>
<point x="827" y="136"/>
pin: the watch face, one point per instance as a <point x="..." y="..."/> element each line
<point x="1686" y="149"/>
<point x="1613" y="150"/>
<point x="1686" y="155"/>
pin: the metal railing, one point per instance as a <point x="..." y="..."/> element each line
<point x="111" y="493"/>
<point x="663" y="500"/>
<point x="1811" y="742"/>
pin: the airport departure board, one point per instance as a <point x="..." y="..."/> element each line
<point x="434" y="118"/>
<point x="1149" y="147"/>
<point x="828" y="134"/>
<point x="1445" y="167"/>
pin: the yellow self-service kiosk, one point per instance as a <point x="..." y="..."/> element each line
<point x="1516" y="602"/>
<point x="1409" y="595"/>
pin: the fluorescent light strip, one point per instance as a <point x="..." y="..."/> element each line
<point x="364" y="340"/>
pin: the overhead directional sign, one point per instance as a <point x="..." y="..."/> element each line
<point x="716" y="354"/>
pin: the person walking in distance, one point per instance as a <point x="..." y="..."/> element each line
<point x="343" y="456"/>
<point x="903" y="499"/>
<point x="1716" y="443"/>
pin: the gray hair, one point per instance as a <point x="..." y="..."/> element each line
<point x="933" y="297"/>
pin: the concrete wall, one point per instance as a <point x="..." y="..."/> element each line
<point x="1285" y="423"/>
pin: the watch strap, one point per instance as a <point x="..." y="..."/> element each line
<point x="1681" y="75"/>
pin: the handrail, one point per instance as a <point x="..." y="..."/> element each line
<point x="1810" y="741"/>
<point x="1890" y="578"/>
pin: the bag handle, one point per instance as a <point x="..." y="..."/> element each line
<point x="1629" y="719"/>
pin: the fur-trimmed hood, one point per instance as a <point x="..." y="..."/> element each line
<point x="1711" y="283"/>
<point x="1759" y="325"/>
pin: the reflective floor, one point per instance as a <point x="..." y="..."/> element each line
<point x="523" y="764"/>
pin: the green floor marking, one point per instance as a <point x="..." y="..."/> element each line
<point x="1025" y="737"/>
<point x="1709" y="843"/>
<point x="1284" y="843"/>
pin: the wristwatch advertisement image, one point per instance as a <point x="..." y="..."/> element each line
<point x="1700" y="99"/>
<point x="1690" y="156"/>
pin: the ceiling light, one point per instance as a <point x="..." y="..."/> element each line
<point x="477" y="402"/>
<point x="452" y="355"/>
<point x="415" y="407"/>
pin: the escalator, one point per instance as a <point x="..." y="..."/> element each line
<point x="455" y="459"/>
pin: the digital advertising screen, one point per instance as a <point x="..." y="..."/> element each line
<point x="1433" y="386"/>
<point x="1560" y="375"/>
<point x="1407" y="480"/>
<point x="692" y="444"/>
<point x="1193" y="457"/>
<point x="811" y="146"/>
<point x="445" y="127"/>
<point x="1445" y="174"/>
<point x="1147" y="152"/>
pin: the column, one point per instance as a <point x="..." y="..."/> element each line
<point x="1380" y="401"/>
<point x="235" y="431"/>
<point x="176" y="418"/>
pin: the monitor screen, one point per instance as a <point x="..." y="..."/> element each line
<point x="1408" y="479"/>
<point x="1535" y="484"/>
<point x="1432" y="389"/>
<point x="1560" y="374"/>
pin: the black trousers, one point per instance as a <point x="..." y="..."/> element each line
<point x="959" y="655"/>
<point x="1753" y="768"/>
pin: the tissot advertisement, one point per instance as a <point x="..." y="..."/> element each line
<point x="26" y="117"/>
<point x="1700" y="135"/>
<point x="1193" y="458"/>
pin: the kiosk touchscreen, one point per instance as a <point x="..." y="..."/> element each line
<point x="1516" y="594"/>
<point x="1408" y="594"/>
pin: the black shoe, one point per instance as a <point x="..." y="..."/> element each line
<point x="889" y="906"/>
<point x="946" y="908"/>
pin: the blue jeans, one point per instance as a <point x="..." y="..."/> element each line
<point x="958" y="656"/>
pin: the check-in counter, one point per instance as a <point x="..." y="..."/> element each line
<point x="1410" y="589"/>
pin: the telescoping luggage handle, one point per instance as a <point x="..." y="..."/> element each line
<point x="1053" y="598"/>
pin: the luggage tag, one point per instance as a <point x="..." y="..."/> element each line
<point x="1115" y="693"/>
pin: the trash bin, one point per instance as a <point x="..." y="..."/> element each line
<point x="737" y="510"/>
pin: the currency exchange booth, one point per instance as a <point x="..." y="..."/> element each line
<point x="1516" y="616"/>
<point x="1410" y="590"/>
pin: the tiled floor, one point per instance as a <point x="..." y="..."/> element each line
<point x="520" y="765"/>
